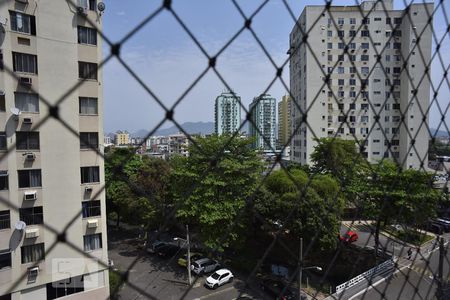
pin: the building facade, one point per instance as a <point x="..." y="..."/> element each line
<point x="368" y="97"/>
<point x="51" y="179"/>
<point x="284" y="121"/>
<point x="227" y="113"/>
<point x="263" y="125"/>
<point x="121" y="138"/>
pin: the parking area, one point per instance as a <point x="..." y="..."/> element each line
<point x="165" y="279"/>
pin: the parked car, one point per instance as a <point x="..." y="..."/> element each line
<point x="182" y="261"/>
<point x="444" y="223"/>
<point x="204" y="265"/>
<point x="168" y="250"/>
<point x="277" y="289"/>
<point x="218" y="278"/>
<point x="349" y="237"/>
<point x="155" y="246"/>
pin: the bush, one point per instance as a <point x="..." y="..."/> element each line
<point x="115" y="281"/>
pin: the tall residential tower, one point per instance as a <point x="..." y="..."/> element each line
<point x="227" y="112"/>
<point x="360" y="81"/>
<point x="52" y="177"/>
<point x="263" y="125"/>
<point x="284" y="121"/>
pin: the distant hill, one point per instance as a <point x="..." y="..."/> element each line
<point x="442" y="132"/>
<point x="189" y="127"/>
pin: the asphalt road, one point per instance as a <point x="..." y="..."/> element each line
<point x="416" y="280"/>
<point x="153" y="277"/>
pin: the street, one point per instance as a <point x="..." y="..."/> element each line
<point x="152" y="276"/>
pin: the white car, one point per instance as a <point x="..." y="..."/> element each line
<point x="219" y="278"/>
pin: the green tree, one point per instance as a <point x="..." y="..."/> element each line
<point x="315" y="206"/>
<point x="210" y="187"/>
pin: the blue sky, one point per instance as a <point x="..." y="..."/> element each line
<point x="168" y="61"/>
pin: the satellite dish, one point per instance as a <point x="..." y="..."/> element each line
<point x="101" y="6"/>
<point x="15" y="111"/>
<point x="20" y="225"/>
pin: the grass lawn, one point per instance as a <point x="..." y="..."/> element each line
<point x="410" y="236"/>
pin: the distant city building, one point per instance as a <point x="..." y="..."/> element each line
<point x="379" y="103"/>
<point x="107" y="141"/>
<point x="121" y="138"/>
<point x="227" y="113"/>
<point x="164" y="146"/>
<point x="263" y="126"/>
<point x="284" y="121"/>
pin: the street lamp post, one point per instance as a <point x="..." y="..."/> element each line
<point x="301" y="269"/>
<point x="188" y="253"/>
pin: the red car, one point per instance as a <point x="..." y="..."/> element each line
<point x="349" y="237"/>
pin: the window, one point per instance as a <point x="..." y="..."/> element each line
<point x="364" y="57"/>
<point x="387" y="118"/>
<point x="388" y="20"/>
<point x="352" y="57"/>
<point x="3" y="140"/>
<point x="341" y="21"/>
<point x="352" y="81"/>
<point x="341" y="46"/>
<point x="341" y="94"/>
<point x="32" y="215"/>
<point x="352" y="105"/>
<point x="397" y="57"/>
<point x="352" y="21"/>
<point x="364" y="33"/>
<point x="388" y="33"/>
<point x="396" y="119"/>
<point x="92" y="241"/>
<point x="364" y="118"/>
<point x="340" y="57"/>
<point x="388" y="45"/>
<point x="396" y="106"/>
<point x="330" y="45"/>
<point x="387" y="70"/>
<point x="365" y="45"/>
<point x="394" y="130"/>
<point x="352" y="130"/>
<point x="395" y="142"/>
<point x="330" y="33"/>
<point x="388" y="58"/>
<point x="87" y="35"/>
<point x="387" y="106"/>
<point x="26" y="63"/>
<point x="397" y="45"/>
<point x="352" y="33"/>
<point x="22" y="23"/>
<point x="386" y="130"/>
<point x="65" y="287"/>
<point x="341" y="119"/>
<point x="340" y="33"/>
<point x="365" y="106"/>
<point x="5" y="259"/>
<point x="352" y="94"/>
<point x="5" y="219"/>
<point x="366" y="21"/>
<point x="29" y="178"/>
<point x="340" y="70"/>
<point x="330" y="57"/>
<point x="3" y="180"/>
<point x="397" y="33"/>
<point x="26" y="102"/>
<point x="32" y="253"/>
<point x="396" y="70"/>
<point x="397" y="21"/>
<point x="352" y="69"/>
<point x="364" y="130"/>
<point x="352" y="45"/>
<point x="90" y="174"/>
<point x="341" y="106"/>
<point x="88" y="140"/>
<point x="352" y="119"/>
<point x="88" y="106"/>
<point x="341" y="81"/>
<point x="27" y="140"/>
<point x="2" y="103"/>
<point x="88" y="4"/>
<point x="397" y="81"/>
<point x="90" y="208"/>
<point x="87" y="70"/>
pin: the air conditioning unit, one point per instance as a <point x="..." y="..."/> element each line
<point x="22" y="1"/>
<point x="25" y="80"/>
<point x="88" y="189"/>
<point x="92" y="223"/>
<point x="30" y="195"/>
<point x="352" y="27"/>
<point x="82" y="11"/>
<point x="27" y="121"/>
<point x="29" y="156"/>
<point x="33" y="271"/>
<point x="31" y="233"/>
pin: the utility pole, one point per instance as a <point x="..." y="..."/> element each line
<point x="440" y="281"/>
<point x="300" y="264"/>
<point x="188" y="255"/>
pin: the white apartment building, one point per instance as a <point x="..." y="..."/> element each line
<point x="53" y="177"/>
<point x="398" y="110"/>
<point x="227" y="113"/>
<point x="263" y="126"/>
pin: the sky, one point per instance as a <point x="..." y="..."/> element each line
<point x="167" y="60"/>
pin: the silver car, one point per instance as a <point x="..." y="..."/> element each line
<point x="204" y="265"/>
